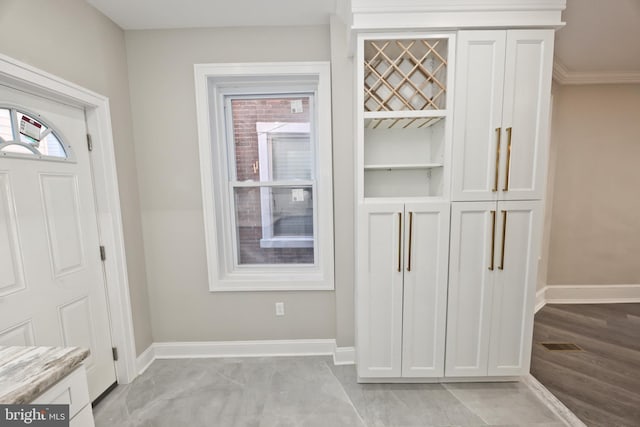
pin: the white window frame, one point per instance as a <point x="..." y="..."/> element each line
<point x="265" y="130"/>
<point x="213" y="82"/>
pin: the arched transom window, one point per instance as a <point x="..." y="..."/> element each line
<point x="27" y="135"/>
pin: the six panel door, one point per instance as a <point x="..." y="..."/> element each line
<point x="52" y="289"/>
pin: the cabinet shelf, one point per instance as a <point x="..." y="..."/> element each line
<point x="406" y="166"/>
<point x="401" y="122"/>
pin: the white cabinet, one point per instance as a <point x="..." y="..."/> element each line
<point x="492" y="280"/>
<point x="72" y="390"/>
<point x="403" y="161"/>
<point x="501" y="114"/>
<point x="379" y="290"/>
<point x="401" y="290"/>
<point x="442" y="296"/>
<point x="500" y="140"/>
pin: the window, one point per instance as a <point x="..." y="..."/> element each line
<point x="285" y="153"/>
<point x="26" y="135"/>
<point x="265" y="155"/>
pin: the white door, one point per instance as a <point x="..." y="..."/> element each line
<point x="52" y="288"/>
<point x="525" y="117"/>
<point x="472" y="265"/>
<point x="478" y="115"/>
<point x="379" y="290"/>
<point x="426" y="236"/>
<point x="518" y="236"/>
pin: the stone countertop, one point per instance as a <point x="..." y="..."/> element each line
<point x="27" y="372"/>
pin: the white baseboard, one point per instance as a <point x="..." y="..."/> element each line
<point x="268" y="348"/>
<point x="180" y="350"/>
<point x="145" y="359"/>
<point x="344" y="356"/>
<point x="587" y="294"/>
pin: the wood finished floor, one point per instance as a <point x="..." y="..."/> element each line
<point x="600" y="384"/>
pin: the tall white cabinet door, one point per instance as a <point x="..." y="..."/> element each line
<point x="471" y="272"/>
<point x="379" y="290"/>
<point x="514" y="287"/>
<point x="477" y="114"/>
<point x="525" y="117"/>
<point x="425" y="289"/>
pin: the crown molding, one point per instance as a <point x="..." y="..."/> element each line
<point x="382" y="6"/>
<point x="562" y="75"/>
<point x="371" y="15"/>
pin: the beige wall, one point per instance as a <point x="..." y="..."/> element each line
<point x="543" y="267"/>
<point x="342" y="81"/>
<point x="595" y="220"/>
<point x="72" y="40"/>
<point x="164" y="115"/>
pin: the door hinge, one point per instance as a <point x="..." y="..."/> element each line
<point x="89" y="142"/>
<point x="103" y="253"/>
<point x="114" y="353"/>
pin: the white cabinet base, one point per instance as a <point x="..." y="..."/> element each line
<point x="402" y="287"/>
<point x="399" y="380"/>
<point x="71" y="390"/>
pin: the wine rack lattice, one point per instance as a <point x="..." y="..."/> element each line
<point x="405" y="75"/>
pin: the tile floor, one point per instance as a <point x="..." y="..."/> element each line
<point x="307" y="392"/>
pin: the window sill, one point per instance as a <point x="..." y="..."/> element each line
<point x="289" y="284"/>
<point x="273" y="278"/>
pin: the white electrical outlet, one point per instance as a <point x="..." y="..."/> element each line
<point x="279" y="309"/>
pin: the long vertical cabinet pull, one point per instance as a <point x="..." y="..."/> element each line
<point x="493" y="238"/>
<point x="508" y="168"/>
<point x="399" y="242"/>
<point x="410" y="239"/>
<point x="504" y="235"/>
<point x="495" y="183"/>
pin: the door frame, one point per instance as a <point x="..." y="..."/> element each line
<point x="24" y="77"/>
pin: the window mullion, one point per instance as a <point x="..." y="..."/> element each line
<point x="294" y="183"/>
<point x="15" y="125"/>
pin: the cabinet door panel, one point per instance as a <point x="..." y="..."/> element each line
<point x="379" y="290"/>
<point x="527" y="91"/>
<point x="514" y="287"/>
<point x="470" y="289"/>
<point x="477" y="114"/>
<point x="425" y="289"/>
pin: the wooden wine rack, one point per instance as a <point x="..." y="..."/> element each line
<point x="405" y="75"/>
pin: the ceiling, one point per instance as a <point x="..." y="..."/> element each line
<point x="600" y="36"/>
<point x="152" y="14"/>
